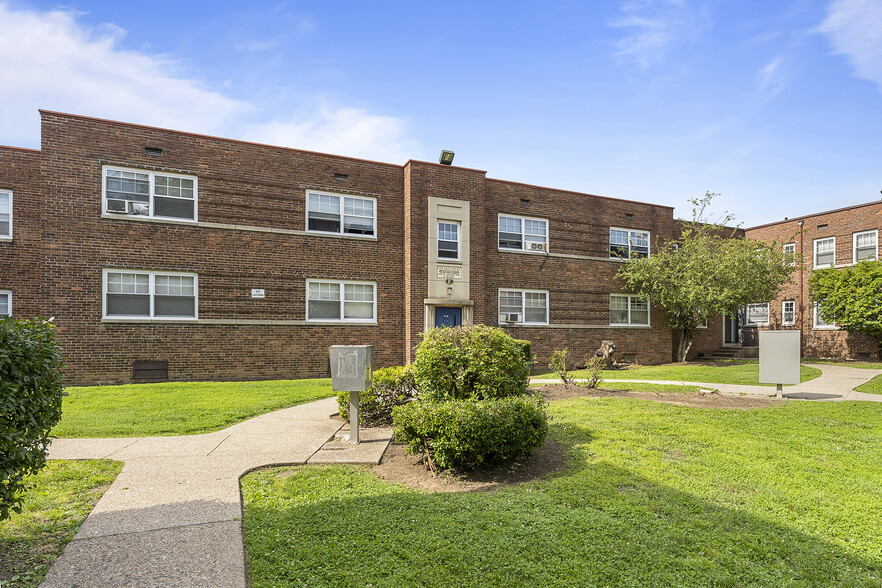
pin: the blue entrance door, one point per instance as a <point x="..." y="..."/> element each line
<point x="447" y="316"/>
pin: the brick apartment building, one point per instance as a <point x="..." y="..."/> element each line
<point x="164" y="254"/>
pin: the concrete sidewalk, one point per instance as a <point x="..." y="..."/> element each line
<point x="173" y="515"/>
<point x="836" y="383"/>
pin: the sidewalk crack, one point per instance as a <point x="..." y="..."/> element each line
<point x="218" y="445"/>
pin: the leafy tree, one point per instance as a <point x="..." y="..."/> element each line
<point x="852" y="297"/>
<point x="30" y="403"/>
<point x="706" y="272"/>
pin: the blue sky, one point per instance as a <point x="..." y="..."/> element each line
<point x="777" y="106"/>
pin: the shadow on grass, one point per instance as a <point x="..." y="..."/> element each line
<point x="594" y="524"/>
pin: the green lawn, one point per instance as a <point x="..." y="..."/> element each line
<point x="177" y="408"/>
<point x="653" y="494"/>
<point x="862" y="365"/>
<point x="63" y="495"/>
<point x="874" y="386"/>
<point x="742" y="371"/>
<point x="638" y="387"/>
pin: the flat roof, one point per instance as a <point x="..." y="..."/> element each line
<point x="807" y="216"/>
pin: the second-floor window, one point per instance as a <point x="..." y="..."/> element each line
<point x="5" y="303"/>
<point x="341" y="215"/>
<point x="825" y="252"/>
<point x="790" y="254"/>
<point x="149" y="194"/>
<point x="522" y="233"/>
<point x="5" y="214"/>
<point x="866" y="245"/>
<point x="448" y="240"/>
<point x="628" y="243"/>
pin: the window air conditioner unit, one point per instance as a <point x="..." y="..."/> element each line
<point x="117" y="206"/>
<point x="513" y="317"/>
<point x="537" y="246"/>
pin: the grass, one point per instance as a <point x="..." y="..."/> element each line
<point x="177" y="408"/>
<point x="862" y="365"/>
<point x="62" y="496"/>
<point x="653" y="494"/>
<point x="742" y="371"/>
<point x="874" y="386"/>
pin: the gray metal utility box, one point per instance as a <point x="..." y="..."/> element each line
<point x="352" y="367"/>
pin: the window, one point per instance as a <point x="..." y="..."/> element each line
<point x="627" y="243"/>
<point x="340" y="215"/>
<point x="790" y="254"/>
<point x="865" y="245"/>
<point x="757" y="314"/>
<point x="825" y="252"/>
<point x="151" y="295"/>
<point x="531" y="306"/>
<point x="5" y="214"/>
<point x="628" y="310"/>
<point x="341" y="301"/>
<point x="448" y="240"/>
<point x="820" y="323"/>
<point x="5" y="303"/>
<point x="522" y="233"/>
<point x="788" y="312"/>
<point x="149" y="194"/>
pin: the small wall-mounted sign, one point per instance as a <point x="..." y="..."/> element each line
<point x="447" y="271"/>
<point x="258" y="293"/>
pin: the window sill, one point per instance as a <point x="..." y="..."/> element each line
<point x="833" y="328"/>
<point x="235" y="322"/>
<point x="149" y="219"/>
<point x="111" y="319"/>
<point x="750" y="325"/>
<point x="340" y="235"/>
<point x="612" y="326"/>
<point x="527" y="251"/>
<point x="5" y="239"/>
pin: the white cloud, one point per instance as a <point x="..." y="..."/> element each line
<point x="854" y="28"/>
<point x="654" y="25"/>
<point x="50" y="60"/>
<point x="770" y="79"/>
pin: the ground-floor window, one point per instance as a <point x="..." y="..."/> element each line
<point x="524" y="306"/>
<point x="625" y="309"/>
<point x="335" y="300"/>
<point x="820" y="323"/>
<point x="149" y="294"/>
<point x="788" y="312"/>
<point x="757" y="314"/>
<point x="5" y="303"/>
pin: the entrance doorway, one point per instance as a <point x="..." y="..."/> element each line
<point x="448" y="316"/>
<point x="731" y="330"/>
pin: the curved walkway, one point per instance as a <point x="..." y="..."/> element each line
<point x="836" y="383"/>
<point x="173" y="515"/>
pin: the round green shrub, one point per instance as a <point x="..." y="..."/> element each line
<point x="390" y="387"/>
<point x="473" y="363"/>
<point x="469" y="434"/>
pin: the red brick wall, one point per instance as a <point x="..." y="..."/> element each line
<point x="20" y="258"/>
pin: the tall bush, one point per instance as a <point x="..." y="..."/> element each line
<point x="30" y="403"/>
<point x="470" y="363"/>
<point x="390" y="387"/>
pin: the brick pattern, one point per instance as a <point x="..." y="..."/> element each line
<point x="20" y="257"/>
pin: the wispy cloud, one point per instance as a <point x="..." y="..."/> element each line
<point x="52" y="61"/>
<point x="652" y="26"/>
<point x="854" y="28"/>
<point x="770" y="79"/>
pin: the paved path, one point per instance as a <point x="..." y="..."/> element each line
<point x="173" y="515"/>
<point x="836" y="383"/>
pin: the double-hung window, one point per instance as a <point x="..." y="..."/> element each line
<point x="521" y="233"/>
<point x="757" y="314"/>
<point x="788" y="312"/>
<point x="141" y="193"/>
<point x="150" y="295"/>
<point x="625" y="309"/>
<point x="5" y="214"/>
<point x="790" y="254"/>
<point x="819" y="322"/>
<point x="866" y="245"/>
<point x="528" y="307"/>
<point x="334" y="300"/>
<point x="825" y="252"/>
<point x="5" y="303"/>
<point x="628" y="243"/>
<point x="448" y="241"/>
<point x="340" y="215"/>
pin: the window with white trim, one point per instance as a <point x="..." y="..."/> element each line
<point x="149" y="294"/>
<point x="825" y="252"/>
<point x="628" y="243"/>
<point x="530" y="306"/>
<point x="5" y="303"/>
<point x="788" y="312"/>
<point x="141" y="193"/>
<point x="625" y="309"/>
<point x="522" y="233"/>
<point x="866" y="245"/>
<point x="5" y="214"/>
<point x="341" y="215"/>
<point x="790" y="254"/>
<point x="819" y="322"/>
<point x="448" y="240"/>
<point x="756" y="314"/>
<point x="341" y="301"/>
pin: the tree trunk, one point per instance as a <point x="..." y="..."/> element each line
<point x="685" y="344"/>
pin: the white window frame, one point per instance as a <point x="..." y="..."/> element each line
<point x="151" y="293"/>
<point x="523" y="311"/>
<point x="816" y="317"/>
<point x="342" y="198"/>
<point x="458" y="226"/>
<point x="631" y="298"/>
<point x="789" y="248"/>
<point x="8" y="294"/>
<point x="815" y="244"/>
<point x="854" y="246"/>
<point x="8" y="236"/>
<point x="524" y="234"/>
<point x="784" y="321"/>
<point x="748" y="322"/>
<point x="630" y="240"/>
<point x="342" y="284"/>
<point x="152" y="190"/>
